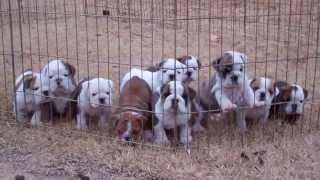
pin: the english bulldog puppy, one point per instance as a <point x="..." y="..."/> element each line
<point x="290" y="101"/>
<point x="94" y="99"/>
<point x="169" y="70"/>
<point x="192" y="68"/>
<point x="173" y="110"/>
<point x="31" y="91"/>
<point x="264" y="91"/>
<point x="133" y="117"/>
<point x="60" y="76"/>
<point x="230" y="87"/>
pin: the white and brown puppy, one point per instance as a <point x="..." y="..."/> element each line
<point x="290" y="101"/>
<point x="264" y="91"/>
<point x="169" y="70"/>
<point x="231" y="86"/>
<point x="192" y="68"/>
<point x="133" y="117"/>
<point x="60" y="76"/>
<point x="173" y="110"/>
<point x="31" y="91"/>
<point x="94" y="99"/>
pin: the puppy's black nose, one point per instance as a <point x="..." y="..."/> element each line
<point x="46" y="93"/>
<point x="294" y="107"/>
<point x="58" y="81"/>
<point x="262" y="96"/>
<point x="175" y="101"/>
<point x="127" y="138"/>
<point x="172" y="77"/>
<point x="189" y="73"/>
<point x="234" y="78"/>
<point x="102" y="100"/>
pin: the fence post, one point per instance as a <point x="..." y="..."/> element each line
<point x="12" y="51"/>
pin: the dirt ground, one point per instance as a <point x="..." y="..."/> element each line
<point x="281" y="39"/>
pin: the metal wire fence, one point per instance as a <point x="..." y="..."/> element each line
<point x="105" y="38"/>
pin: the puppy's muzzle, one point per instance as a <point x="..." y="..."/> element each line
<point x="234" y="78"/>
<point x="58" y="81"/>
<point x="102" y="100"/>
<point x="172" y="77"/>
<point x="45" y="93"/>
<point x="262" y="96"/>
<point x="175" y="103"/>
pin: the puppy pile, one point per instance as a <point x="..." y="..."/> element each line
<point x="159" y="99"/>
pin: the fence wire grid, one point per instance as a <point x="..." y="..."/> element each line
<point x="105" y="38"/>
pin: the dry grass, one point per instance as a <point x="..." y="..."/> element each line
<point x="282" y="47"/>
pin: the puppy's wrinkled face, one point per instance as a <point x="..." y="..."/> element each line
<point x="171" y="70"/>
<point x="264" y="91"/>
<point x="36" y="88"/>
<point x="231" y="68"/>
<point x="60" y="76"/>
<point x="295" y="97"/>
<point x="175" y="96"/>
<point x="192" y="67"/>
<point x="129" y="127"/>
<point x="99" y="92"/>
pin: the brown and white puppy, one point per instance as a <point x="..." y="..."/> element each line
<point x="290" y="101"/>
<point x="264" y="91"/>
<point x="133" y="117"/>
<point x="31" y="91"/>
<point x="173" y="110"/>
<point x="60" y="77"/>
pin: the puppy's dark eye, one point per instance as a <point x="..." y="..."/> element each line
<point x="301" y="101"/>
<point x="241" y="69"/>
<point x="178" y="72"/>
<point x="184" y="96"/>
<point x="50" y="77"/>
<point x="107" y="93"/>
<point x="66" y="75"/>
<point x="271" y="92"/>
<point x="35" y="89"/>
<point x="255" y="88"/>
<point x="194" y="68"/>
<point x="164" y="71"/>
<point x="94" y="94"/>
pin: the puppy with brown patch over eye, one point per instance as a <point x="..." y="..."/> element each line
<point x="229" y="87"/>
<point x="289" y="102"/>
<point x="60" y="76"/>
<point x="31" y="91"/>
<point x="264" y="92"/>
<point x="173" y="110"/>
<point x="133" y="117"/>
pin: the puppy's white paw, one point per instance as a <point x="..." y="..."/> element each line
<point x="82" y="126"/>
<point x="35" y="121"/>
<point x="162" y="140"/>
<point x="227" y="106"/>
<point x="186" y="139"/>
<point x="197" y="127"/>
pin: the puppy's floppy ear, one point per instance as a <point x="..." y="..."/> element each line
<point x="305" y="92"/>
<point x="28" y="81"/>
<point x="244" y="57"/>
<point x="217" y="63"/>
<point x="71" y="68"/>
<point x="252" y="81"/>
<point x="199" y="63"/>
<point x="110" y="82"/>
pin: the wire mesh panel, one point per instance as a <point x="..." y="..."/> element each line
<point x="106" y="38"/>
